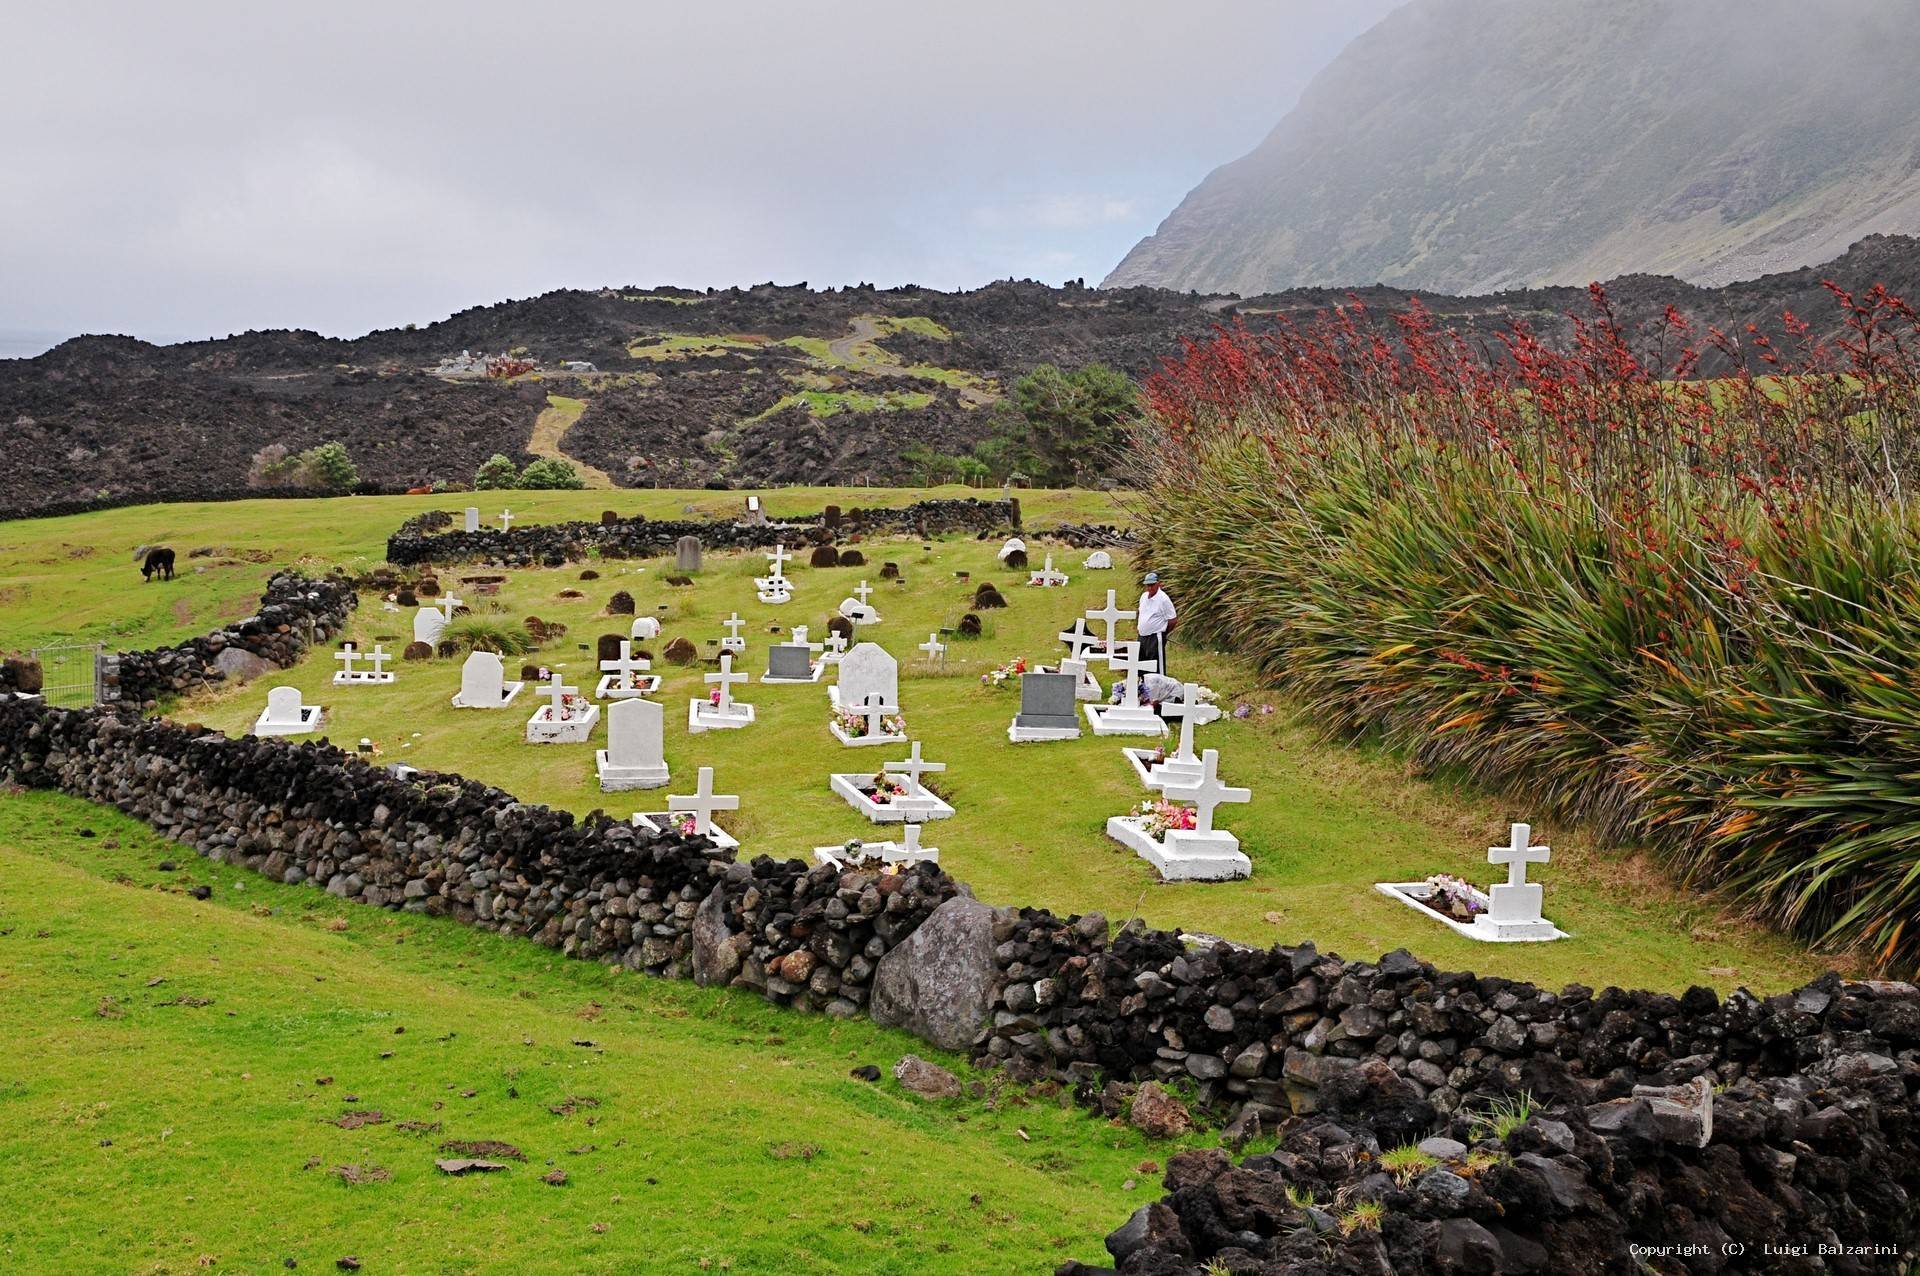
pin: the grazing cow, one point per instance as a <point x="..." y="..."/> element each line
<point x="158" y="559"/>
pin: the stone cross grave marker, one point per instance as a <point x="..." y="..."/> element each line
<point x="347" y="658"/>
<point x="1077" y="638"/>
<point x="626" y="666"/>
<point x="1517" y="900"/>
<point x="506" y="520"/>
<point x="733" y="642"/>
<point x="779" y="558"/>
<point x="556" y="691"/>
<point x="908" y="850"/>
<point x="379" y="657"/>
<point x="1111" y="615"/>
<point x="703" y="802"/>
<point x="864" y="593"/>
<point x="1192" y="712"/>
<point x="1128" y="662"/>
<point x="725" y="680"/>
<point x="447" y="605"/>
<point x="836" y="645"/>
<point x="935" y="649"/>
<point x="1206" y="793"/>
<point x="913" y="767"/>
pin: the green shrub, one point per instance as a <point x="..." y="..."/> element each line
<point x="551" y="472"/>
<point x="327" y="466"/>
<point x="496" y="472"/>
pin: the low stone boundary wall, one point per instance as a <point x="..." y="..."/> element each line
<point x="1795" y="1117"/>
<point x="551" y="544"/>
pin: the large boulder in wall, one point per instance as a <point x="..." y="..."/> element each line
<point x="241" y="665"/>
<point x="938" y="985"/>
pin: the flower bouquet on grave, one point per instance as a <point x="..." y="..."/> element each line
<point x="685" y="824"/>
<point x="1452" y="897"/>
<point x="713" y="697"/>
<point x="1001" y="677"/>
<point x="885" y="789"/>
<point x="570" y="706"/>
<point x="854" y="725"/>
<point x="1158" y="818"/>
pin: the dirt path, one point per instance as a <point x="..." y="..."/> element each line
<point x="858" y="351"/>
<point x="551" y="426"/>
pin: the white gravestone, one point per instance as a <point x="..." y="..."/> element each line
<point x="635" y="755"/>
<point x="706" y="714"/>
<point x="1110" y="616"/>
<point x="733" y="643"/>
<point x="506" y="520"/>
<point x="906" y="852"/>
<point x="626" y="676"/>
<point x="1509" y="911"/>
<point x="775" y="589"/>
<point x="1130" y="716"/>
<point x="1202" y="853"/>
<point x="286" y="715"/>
<point x="428" y="624"/>
<point x="857" y="609"/>
<point x="645" y="628"/>
<point x="868" y="685"/>
<point x="350" y="675"/>
<point x="691" y="815"/>
<point x="836" y="648"/>
<point x="1181" y="766"/>
<point x="483" y="683"/>
<point x="473" y="518"/>
<point x="1012" y="546"/>
<point x="565" y="718"/>
<point x="916" y="804"/>
<point x="936" y="651"/>
<point x="1047" y="577"/>
<point x="1099" y="561"/>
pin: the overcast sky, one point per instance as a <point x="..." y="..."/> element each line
<point x="198" y="168"/>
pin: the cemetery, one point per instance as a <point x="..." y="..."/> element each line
<point x="782" y="888"/>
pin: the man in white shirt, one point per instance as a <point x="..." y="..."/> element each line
<point x="1155" y="621"/>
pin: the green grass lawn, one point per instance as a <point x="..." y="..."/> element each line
<point x="169" y="1099"/>
<point x="1325" y="823"/>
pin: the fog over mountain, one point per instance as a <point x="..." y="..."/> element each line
<point x="1474" y="145"/>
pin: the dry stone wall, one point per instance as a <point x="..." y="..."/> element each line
<point x="1654" y="1120"/>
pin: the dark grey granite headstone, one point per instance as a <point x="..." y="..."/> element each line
<point x="1047" y="702"/>
<point x="789" y="660"/>
<point x="686" y="554"/>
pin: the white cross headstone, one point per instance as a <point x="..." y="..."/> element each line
<point x="935" y="649"/>
<point x="347" y="658"/>
<point x="447" y="604"/>
<point x="778" y="558"/>
<point x="913" y="768"/>
<point x="1192" y="712"/>
<point x="703" y="802"/>
<point x="1517" y="900"/>
<point x="1206" y="793"/>
<point x="556" y="693"/>
<point x="837" y="644"/>
<point x="626" y="666"/>
<point x="873" y="709"/>
<point x="1127" y="661"/>
<point x="1076" y="638"/>
<point x="733" y="641"/>
<point x="379" y="658"/>
<point x="863" y="593"/>
<point x="1111" y="615"/>
<point x="725" y="680"/>
<point x="506" y="520"/>
<point x="908" y="850"/>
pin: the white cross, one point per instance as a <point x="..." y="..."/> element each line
<point x="379" y="659"/>
<point x="837" y="643"/>
<point x="448" y="602"/>
<point x="346" y="658"/>
<point x="1048" y="569"/>
<point x="864" y="592"/>
<point x="725" y="678"/>
<point x="703" y="803"/>
<point x="935" y="649"/>
<point x="557" y="692"/>
<point x="1206" y="793"/>
<point x="908" y="850"/>
<point x="1076" y="638"/>
<point x="732" y="625"/>
<point x="1517" y="854"/>
<point x="1111" y="615"/>
<point x="873" y="710"/>
<point x="627" y="665"/>
<point x="778" y="557"/>
<point x="506" y="520"/>
<point x="1127" y="661"/>
<point x="913" y="768"/>
<point x="1192" y="712"/>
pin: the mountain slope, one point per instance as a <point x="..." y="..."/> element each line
<point x="1475" y="145"/>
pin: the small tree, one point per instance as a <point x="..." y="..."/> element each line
<point x="328" y="466"/>
<point x="1070" y="422"/>
<point x="550" y="472"/>
<point x="497" y="471"/>
<point x="271" y="467"/>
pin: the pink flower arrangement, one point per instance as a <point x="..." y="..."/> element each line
<point x="1159" y="817"/>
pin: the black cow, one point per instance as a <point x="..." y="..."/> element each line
<point x="158" y="560"/>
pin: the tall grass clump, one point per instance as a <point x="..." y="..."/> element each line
<point x="1686" y="609"/>
<point x="475" y="633"/>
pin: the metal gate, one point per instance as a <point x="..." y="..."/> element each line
<point x="71" y="673"/>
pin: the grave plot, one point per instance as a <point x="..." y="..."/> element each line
<point x="626" y="675"/>
<point x="483" y="683"/>
<point x="1047" y="577"/>
<point x="1131" y="716"/>
<point x="857" y="609"/>
<point x="566" y="718"/>
<point x="691" y="815"/>
<point x="856" y="853"/>
<point x="1048" y="708"/>
<point x="718" y="710"/>
<point x="894" y="794"/>
<point x="1181" y="842"/>
<point x="635" y="756"/>
<point x="1079" y="642"/>
<point x="351" y="675"/>
<point x="1158" y="768"/>
<point x="1507" y="913"/>
<point x="775" y="589"/>
<point x="866" y="699"/>
<point x="733" y="644"/>
<point x="285" y="714"/>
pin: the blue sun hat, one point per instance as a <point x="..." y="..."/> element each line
<point x="1151" y="578"/>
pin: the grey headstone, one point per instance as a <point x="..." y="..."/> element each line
<point x="686" y="554"/>
<point x="1047" y="701"/>
<point x="787" y="660"/>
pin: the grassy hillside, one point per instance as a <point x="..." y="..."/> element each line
<point x="178" y="1072"/>
<point x="1326" y="822"/>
